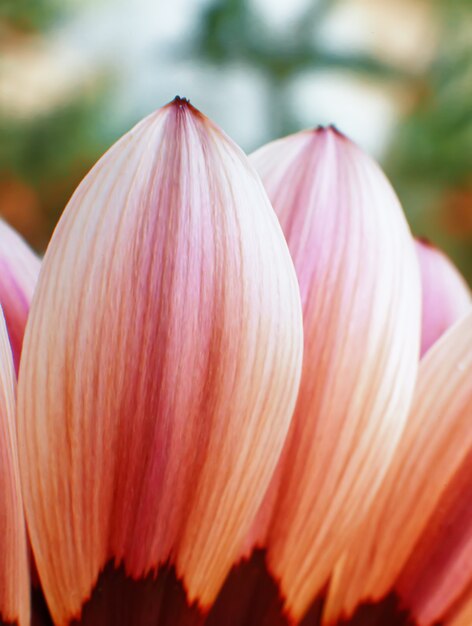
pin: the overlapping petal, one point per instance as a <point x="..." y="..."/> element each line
<point x="14" y="580"/>
<point x="446" y="295"/>
<point x="160" y="368"/>
<point x="417" y="541"/>
<point x="360" y="289"/>
<point x="19" y="269"/>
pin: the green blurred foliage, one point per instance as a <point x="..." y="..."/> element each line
<point x="431" y="154"/>
<point x="429" y="161"/>
<point x="49" y="146"/>
<point x="53" y="152"/>
<point x="29" y="15"/>
<point x="231" y="32"/>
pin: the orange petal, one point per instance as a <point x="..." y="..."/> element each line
<point x="14" y="582"/>
<point x="418" y="537"/>
<point x="360" y="289"/>
<point x="446" y="296"/>
<point x="19" y="269"/>
<point x="461" y="615"/>
<point x="161" y="365"/>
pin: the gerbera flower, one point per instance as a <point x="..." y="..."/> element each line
<point x="190" y="450"/>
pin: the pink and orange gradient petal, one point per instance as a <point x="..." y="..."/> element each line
<point x="360" y="288"/>
<point x="461" y="615"/>
<point x="446" y="295"/>
<point x="14" y="578"/>
<point x="417" y="541"/>
<point x="19" y="269"/>
<point x="160" y="369"/>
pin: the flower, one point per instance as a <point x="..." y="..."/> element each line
<point x="190" y="450"/>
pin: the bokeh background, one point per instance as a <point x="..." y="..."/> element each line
<point x="395" y="75"/>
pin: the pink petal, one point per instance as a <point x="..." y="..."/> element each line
<point x="417" y="540"/>
<point x="14" y="581"/>
<point x="19" y="269"/>
<point x="446" y="296"/>
<point x="160" y="369"/>
<point x="360" y="288"/>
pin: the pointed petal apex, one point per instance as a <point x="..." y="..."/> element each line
<point x="360" y="288"/>
<point x="168" y="314"/>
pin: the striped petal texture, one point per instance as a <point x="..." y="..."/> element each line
<point x="416" y="544"/>
<point x="360" y="288"/>
<point x="19" y="269"/>
<point x="159" y="375"/>
<point x="14" y="579"/>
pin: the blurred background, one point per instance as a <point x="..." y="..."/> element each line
<point x="395" y="75"/>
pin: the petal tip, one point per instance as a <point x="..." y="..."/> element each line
<point x="329" y="129"/>
<point x="181" y="104"/>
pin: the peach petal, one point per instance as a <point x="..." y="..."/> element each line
<point x="14" y="580"/>
<point x="440" y="564"/>
<point x="161" y="364"/>
<point x="418" y="535"/>
<point x="461" y="615"/>
<point x="19" y="269"/>
<point x="446" y="295"/>
<point x="360" y="288"/>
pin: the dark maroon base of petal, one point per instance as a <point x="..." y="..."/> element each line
<point x="118" y="600"/>
<point x="39" y="610"/>
<point x="387" y="612"/>
<point x="250" y="597"/>
<point x="3" y="623"/>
